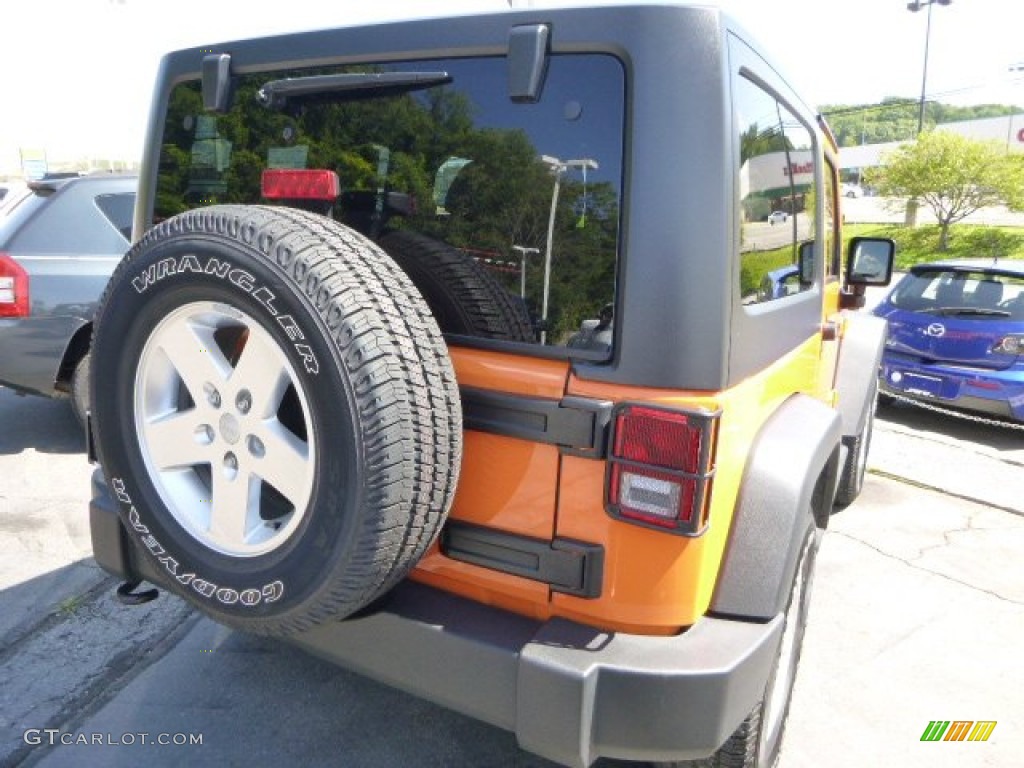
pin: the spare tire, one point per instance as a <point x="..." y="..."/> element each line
<point x="464" y="297"/>
<point x="276" y="412"/>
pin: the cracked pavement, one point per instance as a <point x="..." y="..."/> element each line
<point x="917" y="615"/>
<point x="918" y="606"/>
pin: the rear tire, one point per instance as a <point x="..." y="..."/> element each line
<point x="80" y="390"/>
<point x="757" y="742"/>
<point x="276" y="412"/>
<point x="851" y="479"/>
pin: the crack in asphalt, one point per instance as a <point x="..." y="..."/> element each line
<point x="947" y="537"/>
<point x="911" y="564"/>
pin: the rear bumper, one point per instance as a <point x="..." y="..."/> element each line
<point x="569" y="692"/>
<point x="999" y="393"/>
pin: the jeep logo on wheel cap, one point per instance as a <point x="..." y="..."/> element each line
<point x="936" y="330"/>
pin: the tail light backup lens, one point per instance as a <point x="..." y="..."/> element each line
<point x="13" y="288"/>
<point x="660" y="468"/>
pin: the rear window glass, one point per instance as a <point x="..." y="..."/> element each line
<point x="17" y="208"/>
<point x="520" y="202"/>
<point x="961" y="292"/>
<point x="79" y="219"/>
<point x="119" y="209"/>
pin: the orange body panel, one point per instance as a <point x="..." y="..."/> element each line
<point x="831" y="317"/>
<point x="654" y="582"/>
<point x="506" y="484"/>
<point x="513" y="374"/>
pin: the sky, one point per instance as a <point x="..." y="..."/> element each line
<point x="76" y="75"/>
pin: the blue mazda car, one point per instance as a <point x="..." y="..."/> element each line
<point x="956" y="336"/>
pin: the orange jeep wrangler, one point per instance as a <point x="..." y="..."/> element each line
<point x="462" y="352"/>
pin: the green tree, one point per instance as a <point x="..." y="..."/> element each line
<point x="762" y="140"/>
<point x="953" y="175"/>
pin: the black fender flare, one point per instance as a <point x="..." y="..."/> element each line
<point x="860" y="357"/>
<point x="788" y="485"/>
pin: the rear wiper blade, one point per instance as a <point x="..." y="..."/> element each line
<point x="276" y="94"/>
<point x="968" y="311"/>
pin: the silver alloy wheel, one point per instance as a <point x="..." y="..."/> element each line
<point x="789" y="649"/>
<point x="235" y="476"/>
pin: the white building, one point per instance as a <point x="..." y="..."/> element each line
<point x="1008" y="130"/>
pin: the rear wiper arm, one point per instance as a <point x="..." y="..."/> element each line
<point x="275" y="94"/>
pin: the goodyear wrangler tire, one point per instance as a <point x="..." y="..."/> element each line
<point x="464" y="297"/>
<point x="276" y="413"/>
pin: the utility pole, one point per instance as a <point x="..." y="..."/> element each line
<point x="914" y="7"/>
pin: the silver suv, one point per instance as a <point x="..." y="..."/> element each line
<point x="60" y="240"/>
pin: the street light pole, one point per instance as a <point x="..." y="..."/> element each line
<point x="1018" y="67"/>
<point x="924" y="71"/>
<point x="914" y="6"/>
<point x="557" y="171"/>
<point x="558" y="167"/>
<point x="523" y="251"/>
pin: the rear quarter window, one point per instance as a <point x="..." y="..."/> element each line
<point x="79" y="219"/>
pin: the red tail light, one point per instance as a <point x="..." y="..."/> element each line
<point x="300" y="184"/>
<point x="13" y="288"/>
<point x="660" y="468"/>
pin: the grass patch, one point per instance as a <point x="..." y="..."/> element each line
<point x="966" y="241"/>
<point x="71" y="605"/>
<point x="755" y="264"/>
<point x="913" y="246"/>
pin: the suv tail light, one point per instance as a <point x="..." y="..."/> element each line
<point x="660" y="468"/>
<point x="300" y="184"/>
<point x="13" y="288"/>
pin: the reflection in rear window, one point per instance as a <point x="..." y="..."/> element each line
<point x="456" y="181"/>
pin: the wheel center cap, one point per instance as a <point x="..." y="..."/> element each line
<point x="230" y="429"/>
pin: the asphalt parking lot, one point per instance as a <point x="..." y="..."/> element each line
<point x="917" y="615"/>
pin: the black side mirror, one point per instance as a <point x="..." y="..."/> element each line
<point x="870" y="261"/>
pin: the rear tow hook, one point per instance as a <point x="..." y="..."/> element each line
<point x="127" y="595"/>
